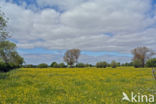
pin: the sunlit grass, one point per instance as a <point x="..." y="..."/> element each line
<point x="74" y="86"/>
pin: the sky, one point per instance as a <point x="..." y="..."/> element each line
<point x="104" y="30"/>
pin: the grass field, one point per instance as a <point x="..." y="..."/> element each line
<point x="74" y="86"/>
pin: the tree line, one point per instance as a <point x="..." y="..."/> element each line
<point x="141" y="58"/>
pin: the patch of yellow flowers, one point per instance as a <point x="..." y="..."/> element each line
<point x="74" y="85"/>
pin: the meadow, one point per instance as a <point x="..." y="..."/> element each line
<point x="74" y="85"/>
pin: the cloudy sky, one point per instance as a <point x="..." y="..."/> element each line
<point x="104" y="30"/>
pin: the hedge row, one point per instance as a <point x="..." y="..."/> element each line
<point x="7" y="67"/>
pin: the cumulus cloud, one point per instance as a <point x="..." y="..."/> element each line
<point x="84" y="24"/>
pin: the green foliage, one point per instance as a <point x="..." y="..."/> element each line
<point x="61" y="65"/>
<point x="8" y="53"/>
<point x="118" y="64"/>
<point x="54" y="65"/>
<point x="3" y="25"/>
<point x="101" y="64"/>
<point x="9" y="58"/>
<point x="127" y="64"/>
<point x="151" y="62"/>
<point x="42" y="65"/>
<point x="137" y="63"/>
<point x="29" y="66"/>
<point x="80" y="65"/>
<point x="5" y="67"/>
<point x="113" y="64"/>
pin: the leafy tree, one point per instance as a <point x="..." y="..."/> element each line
<point x="118" y="64"/>
<point x="127" y="64"/>
<point x="3" y="24"/>
<point x="61" y="65"/>
<point x="80" y="65"/>
<point x="71" y="56"/>
<point x="101" y="64"/>
<point x="17" y="59"/>
<point x="137" y="63"/>
<point x="53" y="64"/>
<point x="113" y="64"/>
<point x="151" y="62"/>
<point x="8" y="53"/>
<point x="30" y="66"/>
<point x="9" y="57"/>
<point x="88" y="65"/>
<point x="42" y="65"/>
<point x="141" y="54"/>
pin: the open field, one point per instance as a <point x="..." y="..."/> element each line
<point x="74" y="86"/>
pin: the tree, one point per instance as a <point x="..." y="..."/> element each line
<point x="3" y="24"/>
<point x="71" y="56"/>
<point x="53" y="64"/>
<point x="142" y="54"/>
<point x="80" y="65"/>
<point x="43" y="65"/>
<point x="101" y="64"/>
<point x="137" y="63"/>
<point x="113" y="64"/>
<point x="61" y="65"/>
<point x="8" y="54"/>
<point x="151" y="62"/>
<point x="7" y="51"/>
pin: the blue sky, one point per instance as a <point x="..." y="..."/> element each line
<point x="101" y="29"/>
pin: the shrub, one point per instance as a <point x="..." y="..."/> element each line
<point x="101" y="64"/>
<point x="54" y="65"/>
<point x="151" y="62"/>
<point x="137" y="63"/>
<point x="5" y="67"/>
<point x="80" y="65"/>
<point x="88" y="65"/>
<point x="113" y="64"/>
<point x="43" y="65"/>
<point x="118" y="64"/>
<point x="30" y="66"/>
<point x="61" y="65"/>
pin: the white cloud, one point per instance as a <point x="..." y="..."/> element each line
<point x="84" y="25"/>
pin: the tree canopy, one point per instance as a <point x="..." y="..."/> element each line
<point x="8" y="53"/>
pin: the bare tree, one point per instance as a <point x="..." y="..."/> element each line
<point x="71" y="56"/>
<point x="142" y="54"/>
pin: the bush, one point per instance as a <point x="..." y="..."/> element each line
<point x="137" y="63"/>
<point x="61" y="65"/>
<point x="5" y="67"/>
<point x="118" y="64"/>
<point x="30" y="66"/>
<point x="43" y="65"/>
<point x="113" y="64"/>
<point x="127" y="64"/>
<point x="151" y="62"/>
<point x="54" y="65"/>
<point x="88" y="65"/>
<point x="80" y="65"/>
<point x="101" y="64"/>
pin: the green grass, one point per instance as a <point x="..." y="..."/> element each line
<point x="75" y="85"/>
